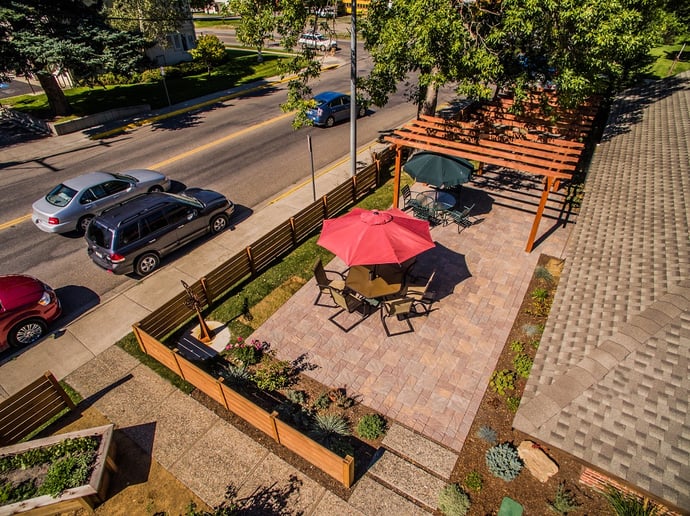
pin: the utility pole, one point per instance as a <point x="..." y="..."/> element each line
<point x="353" y="88"/>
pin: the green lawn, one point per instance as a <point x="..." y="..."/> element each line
<point x="241" y="68"/>
<point x="665" y="59"/>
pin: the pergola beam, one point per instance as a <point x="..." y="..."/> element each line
<point x="478" y="153"/>
<point x="552" y="158"/>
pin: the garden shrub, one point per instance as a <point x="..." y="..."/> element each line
<point x="453" y="501"/>
<point x="502" y="381"/>
<point x="152" y="75"/>
<point x="523" y="365"/>
<point x="517" y="347"/>
<point x="233" y="374"/>
<point x="504" y="462"/>
<point x="513" y="403"/>
<point x="474" y="481"/>
<point x="322" y="402"/>
<point x="543" y="273"/>
<point x="272" y="374"/>
<point x="297" y="397"/>
<point x="488" y="434"/>
<point x="371" y="426"/>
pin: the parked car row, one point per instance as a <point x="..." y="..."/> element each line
<point x="129" y="221"/>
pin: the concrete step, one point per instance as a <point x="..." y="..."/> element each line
<point x="409" y="480"/>
<point x="419" y="450"/>
<point x="373" y="498"/>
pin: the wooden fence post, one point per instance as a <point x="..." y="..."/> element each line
<point x="348" y="471"/>
<point x="275" y="435"/>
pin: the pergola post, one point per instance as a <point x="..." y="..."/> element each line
<point x="396" y="178"/>
<point x="548" y="185"/>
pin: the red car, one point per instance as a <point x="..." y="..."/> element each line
<point x="27" y="306"/>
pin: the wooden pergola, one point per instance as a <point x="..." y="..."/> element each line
<point x="491" y="134"/>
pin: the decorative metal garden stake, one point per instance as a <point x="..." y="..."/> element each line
<point x="194" y="302"/>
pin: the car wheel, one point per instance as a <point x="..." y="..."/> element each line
<point x="219" y="223"/>
<point x="83" y="223"/>
<point x="330" y="121"/>
<point x="362" y="111"/>
<point x="27" y="332"/>
<point x="146" y="264"/>
<point x="156" y="188"/>
<point x="322" y="48"/>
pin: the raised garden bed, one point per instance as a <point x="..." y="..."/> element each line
<point x="30" y="469"/>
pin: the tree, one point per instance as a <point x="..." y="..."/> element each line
<point x="44" y="37"/>
<point x="258" y="20"/>
<point x="437" y="40"/>
<point x="581" y="48"/>
<point x="209" y="50"/>
<point x="486" y="46"/>
<point x="155" y="19"/>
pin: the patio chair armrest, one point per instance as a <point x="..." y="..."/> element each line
<point x="341" y="275"/>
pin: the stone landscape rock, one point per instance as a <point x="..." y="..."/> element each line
<point x="537" y="461"/>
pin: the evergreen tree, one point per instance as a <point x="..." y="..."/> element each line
<point x="45" y="37"/>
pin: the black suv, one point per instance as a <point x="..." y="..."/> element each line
<point x="133" y="236"/>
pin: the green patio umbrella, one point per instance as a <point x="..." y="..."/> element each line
<point x="439" y="170"/>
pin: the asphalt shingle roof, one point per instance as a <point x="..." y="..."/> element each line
<point x="611" y="380"/>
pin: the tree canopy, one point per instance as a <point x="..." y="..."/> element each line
<point x="579" y="47"/>
<point x="209" y="50"/>
<point x="45" y="37"/>
<point x="155" y="19"/>
<point x="258" y="21"/>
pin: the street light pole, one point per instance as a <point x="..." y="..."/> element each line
<point x="353" y="88"/>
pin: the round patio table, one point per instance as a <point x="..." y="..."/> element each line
<point x="441" y="200"/>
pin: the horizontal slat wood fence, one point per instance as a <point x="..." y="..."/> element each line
<point x="32" y="407"/>
<point x="248" y="263"/>
<point x="342" y="469"/>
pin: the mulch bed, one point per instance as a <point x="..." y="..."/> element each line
<point x="494" y="413"/>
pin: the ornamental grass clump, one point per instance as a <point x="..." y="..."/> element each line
<point x="504" y="462"/>
<point x="329" y="425"/>
<point x="564" y="501"/>
<point x="453" y="501"/>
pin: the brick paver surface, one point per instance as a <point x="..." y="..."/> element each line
<point x="433" y="380"/>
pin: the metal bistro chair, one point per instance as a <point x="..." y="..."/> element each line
<point x="408" y="201"/>
<point x="422" y="295"/>
<point x="324" y="282"/>
<point x="461" y="218"/>
<point x="401" y="309"/>
<point x="350" y="304"/>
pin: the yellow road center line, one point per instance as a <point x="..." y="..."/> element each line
<point x="11" y="223"/>
<point x="212" y="144"/>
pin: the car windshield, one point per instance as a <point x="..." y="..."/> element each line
<point x="61" y="195"/>
<point x="126" y="177"/>
<point x="99" y="235"/>
<point x="187" y="199"/>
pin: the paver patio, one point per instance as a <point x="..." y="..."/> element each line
<point x="433" y="380"/>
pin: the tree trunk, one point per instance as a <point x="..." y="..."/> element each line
<point x="56" y="98"/>
<point x="428" y="106"/>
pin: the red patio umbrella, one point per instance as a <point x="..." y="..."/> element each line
<point x="370" y="237"/>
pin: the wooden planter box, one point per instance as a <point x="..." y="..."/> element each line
<point x="86" y="496"/>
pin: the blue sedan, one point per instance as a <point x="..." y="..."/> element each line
<point x="331" y="107"/>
